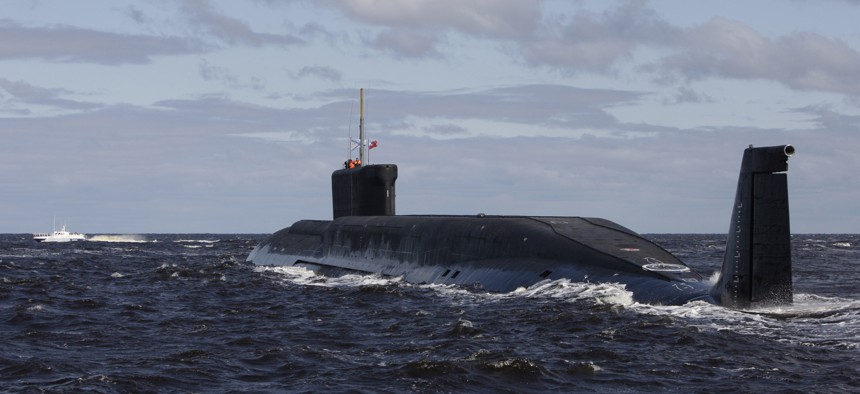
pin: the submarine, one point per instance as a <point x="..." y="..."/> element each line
<point x="503" y="253"/>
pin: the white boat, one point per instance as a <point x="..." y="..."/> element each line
<point x="59" y="236"/>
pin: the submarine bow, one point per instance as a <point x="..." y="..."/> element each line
<point x="503" y="253"/>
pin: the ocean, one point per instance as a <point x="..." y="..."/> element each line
<point x="186" y="313"/>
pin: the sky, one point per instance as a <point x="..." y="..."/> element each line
<point x="228" y="116"/>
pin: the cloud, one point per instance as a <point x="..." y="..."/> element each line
<point x="24" y="93"/>
<point x="77" y="45"/>
<point x="136" y="15"/>
<point x="62" y="43"/>
<point x="720" y="48"/>
<point x="322" y="72"/>
<point x="214" y="115"/>
<point x="331" y="36"/>
<point x="415" y="29"/>
<point x="827" y="119"/>
<point x="803" y="60"/>
<point x="189" y="160"/>
<point x="687" y="95"/>
<point x="608" y="42"/>
<point x="211" y="72"/>
<point x="595" y="42"/>
<point x="445" y="129"/>
<point x="406" y="43"/>
<point x="231" y="30"/>
<point x="492" y="18"/>
<point x="180" y="165"/>
<point x="558" y="106"/>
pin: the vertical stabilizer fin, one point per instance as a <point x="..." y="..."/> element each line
<point x="757" y="264"/>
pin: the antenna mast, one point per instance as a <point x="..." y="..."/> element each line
<point x="361" y="145"/>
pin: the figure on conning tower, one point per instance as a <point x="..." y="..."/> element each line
<point x="352" y="163"/>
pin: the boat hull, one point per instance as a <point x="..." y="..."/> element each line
<point x="59" y="236"/>
<point x="50" y="239"/>
<point x="492" y="253"/>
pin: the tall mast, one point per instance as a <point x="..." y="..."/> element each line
<point x="361" y="145"/>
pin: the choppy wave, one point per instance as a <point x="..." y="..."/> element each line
<point x="811" y="320"/>
<point x="163" y="317"/>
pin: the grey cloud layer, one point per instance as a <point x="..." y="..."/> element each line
<point x="182" y="157"/>
<point x="579" y="42"/>
<point x="601" y="43"/>
<point x="72" y="44"/>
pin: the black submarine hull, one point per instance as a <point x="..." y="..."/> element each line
<point x="492" y="253"/>
<point x="504" y="253"/>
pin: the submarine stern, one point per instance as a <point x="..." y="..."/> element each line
<point x="757" y="264"/>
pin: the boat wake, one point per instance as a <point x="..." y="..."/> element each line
<point x="120" y="238"/>
<point x="811" y="320"/>
<point x="305" y="277"/>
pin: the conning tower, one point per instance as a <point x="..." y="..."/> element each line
<point x="360" y="189"/>
<point x="367" y="190"/>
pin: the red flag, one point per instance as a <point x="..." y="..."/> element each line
<point x="373" y="144"/>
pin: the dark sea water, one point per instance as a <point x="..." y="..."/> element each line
<point x="186" y="313"/>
